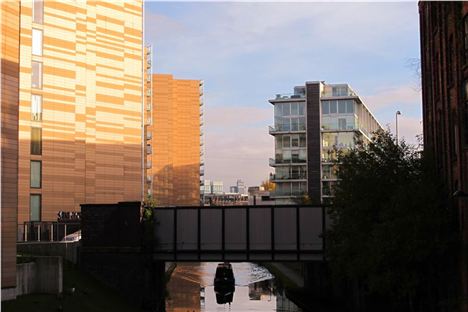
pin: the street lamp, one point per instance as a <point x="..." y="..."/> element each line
<point x="396" y="125"/>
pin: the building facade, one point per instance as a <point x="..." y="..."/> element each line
<point x="9" y="95"/>
<point x="311" y="125"/>
<point x="444" y="68"/>
<point x="80" y="107"/>
<point x="175" y="141"/>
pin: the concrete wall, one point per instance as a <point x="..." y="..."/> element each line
<point x="67" y="250"/>
<point x="43" y="275"/>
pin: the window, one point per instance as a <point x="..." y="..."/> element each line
<point x="350" y="107"/>
<point x="35" y="207"/>
<point x="286" y="142"/>
<point x="301" y="109"/>
<point x="36" y="77"/>
<point x="286" y="109"/>
<point x="38" y="11"/>
<point x="342" y="123"/>
<point x="36" y="107"/>
<point x="332" y="107"/>
<point x="36" y="141"/>
<point x="37" y="42"/>
<point x="294" y="124"/>
<point x="295" y="141"/>
<point x="294" y="109"/>
<point x="36" y="174"/>
<point x="325" y="107"/>
<point x="341" y="107"/>
<point x="302" y="141"/>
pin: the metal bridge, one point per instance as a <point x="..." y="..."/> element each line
<point x="240" y="233"/>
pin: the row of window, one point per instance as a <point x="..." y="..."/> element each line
<point x="288" y="141"/>
<point x="35" y="200"/>
<point x="290" y="123"/>
<point x="290" y="109"/>
<point x="338" y="107"/>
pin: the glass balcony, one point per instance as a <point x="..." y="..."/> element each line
<point x="289" y="96"/>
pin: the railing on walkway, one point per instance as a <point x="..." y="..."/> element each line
<point x="41" y="231"/>
<point x="240" y="233"/>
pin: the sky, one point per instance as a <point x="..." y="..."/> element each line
<point x="246" y="52"/>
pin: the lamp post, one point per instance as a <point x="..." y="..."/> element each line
<point x="396" y="125"/>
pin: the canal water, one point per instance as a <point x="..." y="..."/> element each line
<point x="191" y="289"/>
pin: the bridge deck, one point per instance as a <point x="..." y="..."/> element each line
<point x="240" y="233"/>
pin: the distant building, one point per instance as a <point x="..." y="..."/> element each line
<point x="226" y="199"/>
<point x="259" y="196"/>
<point x="310" y="126"/>
<point x="238" y="188"/>
<point x="217" y="187"/>
<point x="444" y="68"/>
<point x="173" y="141"/>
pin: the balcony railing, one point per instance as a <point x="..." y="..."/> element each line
<point x="276" y="177"/>
<point x="288" y="96"/>
<point x="277" y="129"/>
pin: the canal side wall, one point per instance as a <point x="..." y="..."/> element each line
<point x="114" y="251"/>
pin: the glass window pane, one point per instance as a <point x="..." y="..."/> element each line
<point x="325" y="107"/>
<point x="302" y="142"/>
<point x="332" y="107"/>
<point x="36" y="77"/>
<point x="294" y="124"/>
<point x="36" y="107"/>
<point x="36" y="174"/>
<point x="286" y="109"/>
<point x="35" y="207"/>
<point x="350" y="107"/>
<point x="301" y="109"/>
<point x="341" y="107"/>
<point x="286" y="142"/>
<point x="37" y="42"/>
<point x="295" y="141"/>
<point x="38" y="11"/>
<point x="36" y="141"/>
<point x="294" y="109"/>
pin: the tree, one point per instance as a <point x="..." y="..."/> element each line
<point x="268" y="185"/>
<point x="391" y="232"/>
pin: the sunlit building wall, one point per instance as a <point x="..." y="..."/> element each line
<point x="80" y="110"/>
<point x="9" y="68"/>
<point x="175" y="142"/>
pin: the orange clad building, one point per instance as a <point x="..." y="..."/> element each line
<point x="9" y="71"/>
<point x="80" y="106"/>
<point x="174" y="141"/>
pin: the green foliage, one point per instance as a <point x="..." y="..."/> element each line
<point x="391" y="229"/>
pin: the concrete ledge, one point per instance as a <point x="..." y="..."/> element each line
<point x="8" y="293"/>
<point x="66" y="250"/>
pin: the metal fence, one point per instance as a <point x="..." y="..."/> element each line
<point x="41" y="231"/>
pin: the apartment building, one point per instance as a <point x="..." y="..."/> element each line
<point x="80" y="105"/>
<point x="174" y="141"/>
<point x="311" y="125"/>
<point x="444" y="68"/>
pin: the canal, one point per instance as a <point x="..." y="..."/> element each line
<point x="191" y="288"/>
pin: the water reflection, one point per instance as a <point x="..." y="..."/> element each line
<point x="192" y="288"/>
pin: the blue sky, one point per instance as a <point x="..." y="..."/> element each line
<point x="246" y="52"/>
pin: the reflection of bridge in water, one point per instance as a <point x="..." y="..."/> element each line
<point x="240" y="233"/>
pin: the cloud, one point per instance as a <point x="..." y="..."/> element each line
<point x="400" y="95"/>
<point x="238" y="144"/>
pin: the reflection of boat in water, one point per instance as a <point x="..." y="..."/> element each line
<point x="224" y="283"/>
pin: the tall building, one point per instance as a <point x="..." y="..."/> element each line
<point x="310" y="126"/>
<point x="9" y="95"/>
<point x="80" y="105"/>
<point x="175" y="141"/>
<point x="444" y="68"/>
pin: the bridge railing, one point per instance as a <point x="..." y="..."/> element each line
<point x="40" y="231"/>
<point x="240" y="233"/>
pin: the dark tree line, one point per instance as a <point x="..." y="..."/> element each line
<point x="393" y="239"/>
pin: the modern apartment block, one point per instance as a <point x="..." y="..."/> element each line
<point x="9" y="96"/>
<point x="444" y="67"/>
<point x="80" y="105"/>
<point x="310" y="126"/>
<point x="174" y="140"/>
